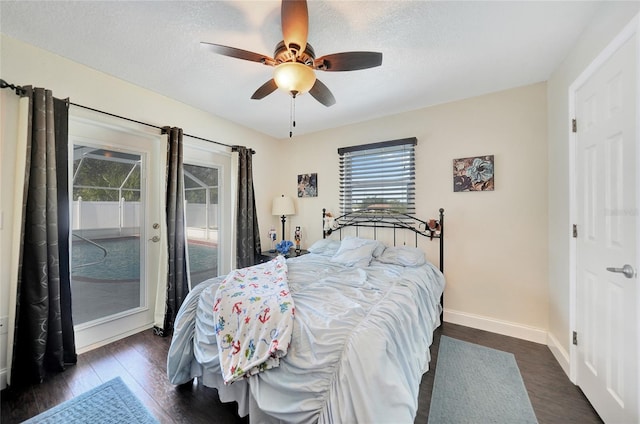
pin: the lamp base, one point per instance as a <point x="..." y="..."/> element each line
<point x="284" y="219"/>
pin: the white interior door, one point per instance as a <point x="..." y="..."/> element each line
<point x="117" y="182"/>
<point x="607" y="214"/>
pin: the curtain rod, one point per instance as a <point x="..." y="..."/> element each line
<point x="20" y="91"/>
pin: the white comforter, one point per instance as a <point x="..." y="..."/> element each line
<point x="359" y="347"/>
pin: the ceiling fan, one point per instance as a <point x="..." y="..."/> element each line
<point x="294" y="59"/>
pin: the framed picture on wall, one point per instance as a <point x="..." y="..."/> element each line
<point x="473" y="174"/>
<point x="308" y="185"/>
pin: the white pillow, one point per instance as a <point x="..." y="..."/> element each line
<point x="379" y="249"/>
<point x="325" y="247"/>
<point x="355" y="252"/>
<point x="403" y="255"/>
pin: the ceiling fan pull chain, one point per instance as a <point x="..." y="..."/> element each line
<point x="292" y="114"/>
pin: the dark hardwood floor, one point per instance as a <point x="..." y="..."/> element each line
<point x="140" y="361"/>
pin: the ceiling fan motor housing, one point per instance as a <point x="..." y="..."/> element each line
<point x="283" y="54"/>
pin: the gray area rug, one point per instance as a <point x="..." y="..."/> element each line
<point x="111" y="402"/>
<point x="477" y="385"/>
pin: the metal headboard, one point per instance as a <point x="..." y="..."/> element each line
<point x="387" y="219"/>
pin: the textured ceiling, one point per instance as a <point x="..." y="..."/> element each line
<point x="433" y="52"/>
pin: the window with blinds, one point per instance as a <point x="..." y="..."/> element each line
<point x="378" y="176"/>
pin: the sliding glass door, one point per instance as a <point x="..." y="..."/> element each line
<point x="208" y="210"/>
<point x="202" y="216"/>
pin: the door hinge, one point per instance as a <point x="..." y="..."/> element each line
<point x="575" y="231"/>
<point x="575" y="338"/>
<point x="574" y="125"/>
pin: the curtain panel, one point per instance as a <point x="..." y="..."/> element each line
<point x="247" y="234"/>
<point x="43" y="338"/>
<point x="178" y="277"/>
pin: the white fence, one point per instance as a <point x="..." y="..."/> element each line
<point x="119" y="215"/>
<point x="97" y="215"/>
<point x="199" y="217"/>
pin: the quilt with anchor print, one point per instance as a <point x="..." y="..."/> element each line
<point x="253" y="314"/>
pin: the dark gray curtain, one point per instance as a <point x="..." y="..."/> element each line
<point x="248" y="233"/>
<point x="44" y="339"/>
<point x="177" y="282"/>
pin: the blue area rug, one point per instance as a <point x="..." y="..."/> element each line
<point x="111" y="402"/>
<point x="478" y="385"/>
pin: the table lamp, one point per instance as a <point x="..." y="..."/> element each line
<point x="283" y="206"/>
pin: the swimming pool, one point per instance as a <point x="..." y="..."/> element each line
<point x="122" y="261"/>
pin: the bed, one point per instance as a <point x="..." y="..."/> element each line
<point x="365" y="312"/>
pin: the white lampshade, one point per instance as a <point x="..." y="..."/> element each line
<point x="294" y="77"/>
<point x="283" y="206"/>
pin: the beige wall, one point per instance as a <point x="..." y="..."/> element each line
<point x="496" y="242"/>
<point x="609" y="21"/>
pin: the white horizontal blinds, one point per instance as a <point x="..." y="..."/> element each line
<point x="378" y="176"/>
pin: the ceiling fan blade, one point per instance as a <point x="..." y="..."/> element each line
<point x="238" y="53"/>
<point x="348" y="61"/>
<point x="295" y="25"/>
<point x="265" y="89"/>
<point x="321" y="93"/>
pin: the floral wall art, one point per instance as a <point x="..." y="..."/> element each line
<point x="308" y="185"/>
<point x="473" y="174"/>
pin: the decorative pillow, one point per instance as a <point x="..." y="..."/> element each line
<point x="403" y="255"/>
<point x="325" y="247"/>
<point x="355" y="252"/>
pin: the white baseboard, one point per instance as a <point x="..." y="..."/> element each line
<point x="493" y="325"/>
<point x="561" y="355"/>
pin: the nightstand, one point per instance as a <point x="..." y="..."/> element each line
<point x="267" y="256"/>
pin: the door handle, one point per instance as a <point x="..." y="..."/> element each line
<point x="155" y="239"/>
<point x="627" y="270"/>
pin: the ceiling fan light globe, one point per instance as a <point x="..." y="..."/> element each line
<point x="294" y="77"/>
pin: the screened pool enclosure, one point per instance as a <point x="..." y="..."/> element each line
<point x="107" y="213"/>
